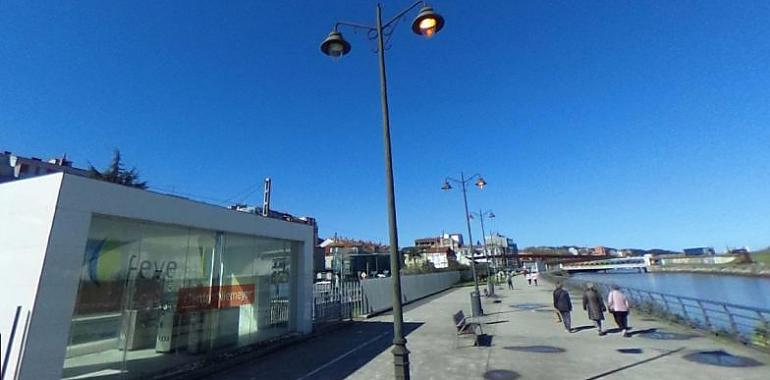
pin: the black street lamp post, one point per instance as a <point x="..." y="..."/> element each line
<point x="481" y="215"/>
<point x="427" y="23"/>
<point x="476" y="309"/>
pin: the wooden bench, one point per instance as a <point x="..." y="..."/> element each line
<point x="464" y="327"/>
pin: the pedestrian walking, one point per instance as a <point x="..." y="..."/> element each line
<point x="534" y="277"/>
<point x="618" y="305"/>
<point x="529" y="278"/>
<point x="563" y="304"/>
<point x="510" y="282"/>
<point x="593" y="304"/>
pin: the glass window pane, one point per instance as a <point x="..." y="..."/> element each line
<point x="154" y="296"/>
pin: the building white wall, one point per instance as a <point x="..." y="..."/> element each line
<point x="26" y="212"/>
<point x="29" y="206"/>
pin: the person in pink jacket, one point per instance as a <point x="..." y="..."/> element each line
<point x="618" y="305"/>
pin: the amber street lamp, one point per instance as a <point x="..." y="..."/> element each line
<point x="427" y="23"/>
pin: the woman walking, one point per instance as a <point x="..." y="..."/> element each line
<point x="593" y="304"/>
<point x="618" y="305"/>
<point x="563" y="304"/>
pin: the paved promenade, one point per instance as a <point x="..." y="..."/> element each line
<point x="526" y="343"/>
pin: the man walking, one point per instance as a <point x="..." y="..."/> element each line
<point x="510" y="282"/>
<point x="563" y="304"/>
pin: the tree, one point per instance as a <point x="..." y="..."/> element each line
<point x="117" y="173"/>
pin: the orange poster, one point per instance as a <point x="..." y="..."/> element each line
<point x="215" y="297"/>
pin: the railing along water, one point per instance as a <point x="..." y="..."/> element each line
<point x="748" y="325"/>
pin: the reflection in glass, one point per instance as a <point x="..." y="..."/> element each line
<point x="154" y="296"/>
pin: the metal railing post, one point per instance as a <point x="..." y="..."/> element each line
<point x="732" y="321"/>
<point x="684" y="309"/>
<point x="652" y="302"/>
<point x="706" y="316"/>
<point x="665" y="303"/>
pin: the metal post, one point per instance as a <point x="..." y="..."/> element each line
<point x="732" y="321"/>
<point x="684" y="309"/>
<point x="705" y="316"/>
<point x="665" y="303"/>
<point x="400" y="352"/>
<point x="10" y="342"/>
<point x="490" y="283"/>
<point x="476" y="309"/>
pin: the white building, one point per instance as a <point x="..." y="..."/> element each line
<point x="502" y="251"/>
<point x="440" y="257"/>
<point x="14" y="167"/>
<point x="111" y="281"/>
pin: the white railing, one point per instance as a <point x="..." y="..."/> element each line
<point x="749" y="325"/>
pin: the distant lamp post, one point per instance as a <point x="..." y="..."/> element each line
<point x="476" y="309"/>
<point x="427" y="23"/>
<point x="489" y="215"/>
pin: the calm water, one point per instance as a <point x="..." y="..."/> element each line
<point x="739" y="290"/>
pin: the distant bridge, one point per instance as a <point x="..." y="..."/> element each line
<point x="641" y="263"/>
<point x="550" y="258"/>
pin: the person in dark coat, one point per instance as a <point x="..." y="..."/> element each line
<point x="563" y="304"/>
<point x="594" y="305"/>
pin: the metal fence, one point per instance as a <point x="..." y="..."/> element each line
<point x="334" y="302"/>
<point x="748" y="325"/>
<point x="337" y="302"/>
<point x="278" y="314"/>
<point x="378" y="292"/>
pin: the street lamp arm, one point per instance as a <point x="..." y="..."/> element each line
<point x="467" y="180"/>
<point x="402" y="13"/>
<point x="482" y="214"/>
<point x="395" y="18"/>
<point x="354" y="25"/>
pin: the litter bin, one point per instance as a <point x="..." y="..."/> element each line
<point x="476" y="304"/>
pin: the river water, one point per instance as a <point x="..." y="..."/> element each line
<point x="739" y="290"/>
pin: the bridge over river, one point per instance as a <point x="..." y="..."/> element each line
<point x="640" y="263"/>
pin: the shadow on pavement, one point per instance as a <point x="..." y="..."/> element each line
<point x="495" y="322"/>
<point x="500" y="374"/>
<point x="641" y="332"/>
<point x="528" y="306"/>
<point x="603" y="374"/>
<point x="584" y="327"/>
<point x="335" y="355"/>
<point x="662" y="335"/>
<point x="721" y="358"/>
<point x="536" y="349"/>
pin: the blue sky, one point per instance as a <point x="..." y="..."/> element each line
<point x="621" y="123"/>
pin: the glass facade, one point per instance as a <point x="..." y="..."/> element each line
<point x="153" y="296"/>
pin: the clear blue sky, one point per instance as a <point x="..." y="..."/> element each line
<point x="623" y="123"/>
